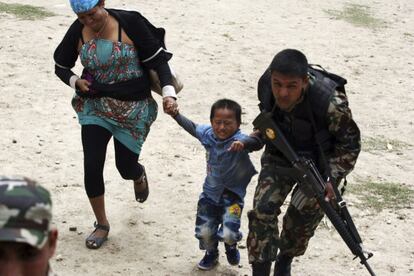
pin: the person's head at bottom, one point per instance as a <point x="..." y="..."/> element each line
<point x="27" y="240"/>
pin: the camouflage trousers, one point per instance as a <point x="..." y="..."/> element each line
<point x="298" y="227"/>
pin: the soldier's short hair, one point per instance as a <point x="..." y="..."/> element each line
<point x="290" y="62"/>
<point x="25" y="211"/>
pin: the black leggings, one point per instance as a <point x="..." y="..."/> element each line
<point x="95" y="141"/>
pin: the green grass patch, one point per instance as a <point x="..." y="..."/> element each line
<point x="26" y="12"/>
<point x="228" y="37"/>
<point x="380" y="143"/>
<point x="382" y="195"/>
<point x="358" y="15"/>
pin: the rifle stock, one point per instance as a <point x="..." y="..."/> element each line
<point x="313" y="185"/>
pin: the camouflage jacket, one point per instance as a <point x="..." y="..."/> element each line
<point x="347" y="145"/>
<point x="337" y="133"/>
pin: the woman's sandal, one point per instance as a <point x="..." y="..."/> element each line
<point x="141" y="195"/>
<point x="93" y="242"/>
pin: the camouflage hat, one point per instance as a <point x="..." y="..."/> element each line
<point x="25" y="211"/>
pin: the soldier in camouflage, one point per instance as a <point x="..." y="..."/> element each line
<point x="27" y="240"/>
<point x="318" y="124"/>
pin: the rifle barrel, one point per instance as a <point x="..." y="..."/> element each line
<point x="368" y="267"/>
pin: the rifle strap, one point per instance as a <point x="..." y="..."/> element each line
<point x="312" y="119"/>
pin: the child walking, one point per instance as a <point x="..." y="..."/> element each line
<point x="229" y="171"/>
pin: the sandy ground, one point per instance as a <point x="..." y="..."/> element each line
<point x="220" y="47"/>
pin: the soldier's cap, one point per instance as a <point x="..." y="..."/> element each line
<point x="25" y="211"/>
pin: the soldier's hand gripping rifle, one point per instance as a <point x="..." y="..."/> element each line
<point x="313" y="185"/>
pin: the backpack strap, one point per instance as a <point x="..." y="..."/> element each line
<point x="264" y="92"/>
<point x="313" y="123"/>
<point x="320" y="73"/>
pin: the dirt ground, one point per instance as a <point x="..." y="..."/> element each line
<point x="221" y="47"/>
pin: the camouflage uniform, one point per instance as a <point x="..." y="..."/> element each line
<point x="263" y="240"/>
<point x="25" y="212"/>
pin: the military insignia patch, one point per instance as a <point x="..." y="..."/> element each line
<point x="270" y="134"/>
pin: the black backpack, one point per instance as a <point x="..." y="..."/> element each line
<point x="264" y="88"/>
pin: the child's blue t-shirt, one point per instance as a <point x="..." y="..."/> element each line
<point x="231" y="170"/>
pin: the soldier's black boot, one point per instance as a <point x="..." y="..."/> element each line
<point x="261" y="269"/>
<point x="283" y="265"/>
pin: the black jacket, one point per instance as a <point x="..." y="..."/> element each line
<point x="149" y="41"/>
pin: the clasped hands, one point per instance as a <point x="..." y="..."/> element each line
<point x="170" y="106"/>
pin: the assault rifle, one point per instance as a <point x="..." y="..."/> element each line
<point x="311" y="184"/>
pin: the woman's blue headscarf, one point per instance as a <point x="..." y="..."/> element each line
<point x="79" y="6"/>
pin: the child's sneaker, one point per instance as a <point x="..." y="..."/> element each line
<point x="232" y="253"/>
<point x="209" y="260"/>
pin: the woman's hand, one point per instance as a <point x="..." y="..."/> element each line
<point x="82" y="85"/>
<point x="170" y="106"/>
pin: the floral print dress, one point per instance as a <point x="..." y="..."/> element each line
<point x="110" y="62"/>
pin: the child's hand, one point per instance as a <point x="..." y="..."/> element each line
<point x="236" y="146"/>
<point x="172" y="111"/>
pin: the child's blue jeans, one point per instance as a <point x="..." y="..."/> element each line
<point x="218" y="222"/>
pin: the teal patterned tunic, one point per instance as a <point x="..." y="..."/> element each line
<point x="128" y="121"/>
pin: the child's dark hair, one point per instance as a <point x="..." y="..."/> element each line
<point x="290" y="62"/>
<point x="226" y="104"/>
